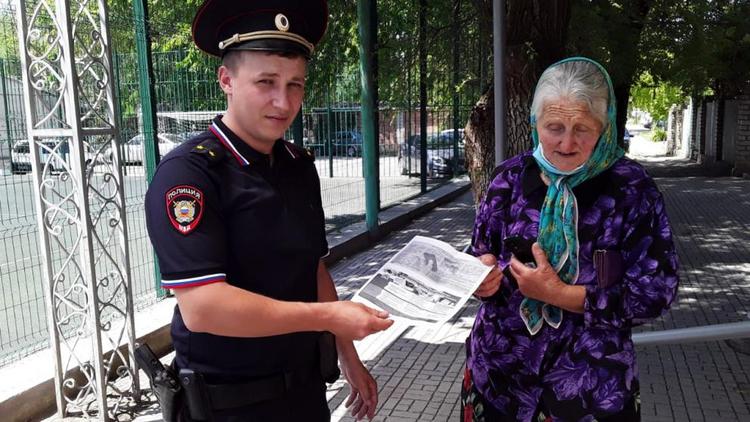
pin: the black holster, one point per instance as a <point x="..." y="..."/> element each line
<point x="164" y="383"/>
<point x="329" y="358"/>
<point x="196" y="395"/>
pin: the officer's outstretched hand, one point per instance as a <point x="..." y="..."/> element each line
<point x="355" y="321"/>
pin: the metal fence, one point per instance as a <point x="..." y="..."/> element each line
<point x="187" y="96"/>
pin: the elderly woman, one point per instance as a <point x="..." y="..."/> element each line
<point x="552" y="339"/>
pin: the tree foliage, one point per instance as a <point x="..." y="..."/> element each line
<point x="610" y="32"/>
<point x="699" y="44"/>
<point x="656" y="99"/>
<point x="8" y="35"/>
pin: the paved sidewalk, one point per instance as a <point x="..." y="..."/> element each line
<point x="419" y="372"/>
<point x="704" y="381"/>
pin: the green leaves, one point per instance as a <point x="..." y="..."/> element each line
<point x="655" y="98"/>
<point x="707" y="41"/>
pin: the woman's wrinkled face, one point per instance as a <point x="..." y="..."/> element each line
<point x="568" y="133"/>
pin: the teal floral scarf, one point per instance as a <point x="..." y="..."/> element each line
<point x="558" y="221"/>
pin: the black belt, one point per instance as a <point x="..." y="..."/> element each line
<point x="228" y="396"/>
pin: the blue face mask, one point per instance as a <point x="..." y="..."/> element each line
<point x="549" y="167"/>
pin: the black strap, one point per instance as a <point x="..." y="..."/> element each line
<point x="228" y="396"/>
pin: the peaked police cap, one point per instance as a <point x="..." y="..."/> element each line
<point x="285" y="26"/>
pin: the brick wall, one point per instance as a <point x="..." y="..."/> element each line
<point x="742" y="143"/>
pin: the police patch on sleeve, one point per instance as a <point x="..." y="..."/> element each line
<point x="185" y="207"/>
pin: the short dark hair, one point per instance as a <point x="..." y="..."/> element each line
<point x="232" y="58"/>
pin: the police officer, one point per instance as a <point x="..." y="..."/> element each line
<point x="236" y="220"/>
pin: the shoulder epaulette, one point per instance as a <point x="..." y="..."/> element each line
<point x="212" y="150"/>
<point x="300" y="152"/>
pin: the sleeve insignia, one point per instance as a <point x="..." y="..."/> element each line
<point x="184" y="208"/>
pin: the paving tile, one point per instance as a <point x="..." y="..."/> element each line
<point x="715" y="287"/>
<point x="420" y="380"/>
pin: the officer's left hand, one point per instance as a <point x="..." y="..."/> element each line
<point x="363" y="399"/>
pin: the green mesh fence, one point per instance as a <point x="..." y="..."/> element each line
<point x="187" y="97"/>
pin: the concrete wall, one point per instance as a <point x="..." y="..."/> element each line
<point x="687" y="130"/>
<point x="708" y="154"/>
<point x="678" y="130"/>
<point x="672" y="119"/>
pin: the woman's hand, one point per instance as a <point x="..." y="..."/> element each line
<point x="542" y="283"/>
<point x="491" y="283"/>
<point x="363" y="398"/>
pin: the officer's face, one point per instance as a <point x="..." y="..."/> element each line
<point x="264" y="94"/>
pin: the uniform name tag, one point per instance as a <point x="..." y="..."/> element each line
<point x="184" y="207"/>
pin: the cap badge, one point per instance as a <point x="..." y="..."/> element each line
<point x="282" y="23"/>
<point x="184" y="208"/>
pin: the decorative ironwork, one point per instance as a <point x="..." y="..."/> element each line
<point x="70" y="112"/>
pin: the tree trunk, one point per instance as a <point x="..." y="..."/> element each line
<point x="536" y="33"/>
<point x="622" y="96"/>
<point x="480" y="144"/>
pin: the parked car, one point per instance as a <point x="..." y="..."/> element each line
<point x="346" y="143"/>
<point x="440" y="154"/>
<point x="21" y="155"/>
<point x="626" y="140"/>
<point x="132" y="150"/>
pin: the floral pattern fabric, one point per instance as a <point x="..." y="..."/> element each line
<point x="586" y="368"/>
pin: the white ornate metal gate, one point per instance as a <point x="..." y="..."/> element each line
<point x="71" y="123"/>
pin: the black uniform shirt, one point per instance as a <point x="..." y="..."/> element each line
<point x="219" y="211"/>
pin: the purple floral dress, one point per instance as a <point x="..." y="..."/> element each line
<point x="586" y="368"/>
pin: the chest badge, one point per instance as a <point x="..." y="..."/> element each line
<point x="184" y="208"/>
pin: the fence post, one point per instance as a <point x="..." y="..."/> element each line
<point x="367" y="12"/>
<point x="329" y="132"/>
<point x="423" y="95"/>
<point x="297" y="129"/>
<point x="116" y="63"/>
<point x="456" y="64"/>
<point x="7" y="116"/>
<point x="148" y="111"/>
<point x="407" y="146"/>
